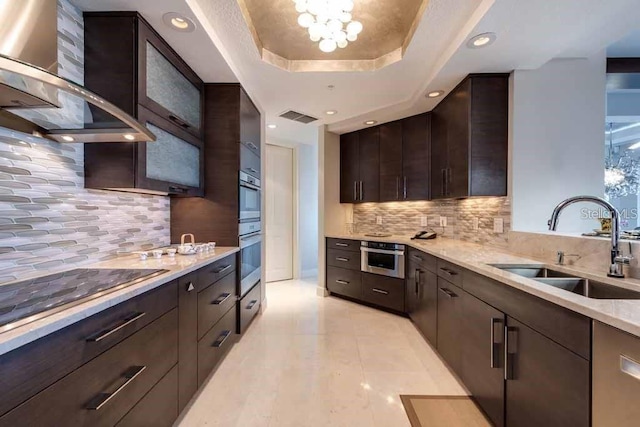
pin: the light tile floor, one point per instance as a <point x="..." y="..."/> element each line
<point x="311" y="361"/>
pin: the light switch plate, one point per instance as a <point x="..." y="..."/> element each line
<point x="443" y="221"/>
<point x="424" y="221"/>
<point x="476" y="224"/>
<point x="379" y="220"/>
<point x="498" y="225"/>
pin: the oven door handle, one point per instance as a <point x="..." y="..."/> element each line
<point x="249" y="186"/>
<point x="250" y="239"/>
<point x="382" y="251"/>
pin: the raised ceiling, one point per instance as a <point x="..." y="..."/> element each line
<point x="389" y="26"/>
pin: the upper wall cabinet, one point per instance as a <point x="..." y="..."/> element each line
<point x="469" y="140"/>
<point x="405" y="159"/>
<point x="360" y="166"/>
<point x="249" y="124"/>
<point x="128" y="63"/>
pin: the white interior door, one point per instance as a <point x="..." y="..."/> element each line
<point x="279" y="212"/>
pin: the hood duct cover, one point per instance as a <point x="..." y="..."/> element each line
<point x="32" y="95"/>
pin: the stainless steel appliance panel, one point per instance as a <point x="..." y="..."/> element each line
<point x="385" y="259"/>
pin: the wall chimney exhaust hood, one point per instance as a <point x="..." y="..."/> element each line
<point x="33" y="98"/>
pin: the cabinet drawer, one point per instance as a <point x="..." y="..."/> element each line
<point x="344" y="244"/>
<point x="215" y="271"/>
<point x="248" y="307"/>
<point x="215" y="344"/>
<point x="214" y="302"/>
<point x="426" y="261"/>
<point x="344" y="282"/>
<point x="568" y="328"/>
<point x="159" y="408"/>
<point x="35" y="366"/>
<point x="343" y="259"/>
<point x="383" y="291"/>
<point x="102" y="391"/>
<point x="450" y="272"/>
<point x="249" y="161"/>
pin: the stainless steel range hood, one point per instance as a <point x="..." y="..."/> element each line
<point x="34" y="98"/>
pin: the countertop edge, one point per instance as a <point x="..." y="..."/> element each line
<point x="25" y="334"/>
<point x="555" y="296"/>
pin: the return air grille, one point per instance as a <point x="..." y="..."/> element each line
<point x="298" y="117"/>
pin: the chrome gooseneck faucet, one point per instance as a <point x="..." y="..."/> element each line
<point x="617" y="260"/>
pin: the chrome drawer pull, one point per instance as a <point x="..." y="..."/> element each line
<point x="419" y="258"/>
<point x="509" y="353"/>
<point x="251" y="304"/>
<point x="342" y="259"/>
<point x="449" y="272"/>
<point x="380" y="291"/>
<point x="103" y="398"/>
<point x="448" y="293"/>
<point x="495" y="359"/>
<point x="630" y="367"/>
<point x="342" y="245"/>
<point x="342" y="282"/>
<point x="220" y="270"/>
<point x="123" y="323"/>
<point x="252" y="145"/>
<point x="221" y="299"/>
<point x="221" y="339"/>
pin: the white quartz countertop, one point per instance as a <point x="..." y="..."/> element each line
<point x="177" y="267"/>
<point x="622" y="314"/>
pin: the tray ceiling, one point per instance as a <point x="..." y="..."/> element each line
<point x="388" y="28"/>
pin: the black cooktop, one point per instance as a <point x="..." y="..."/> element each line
<point x="29" y="300"/>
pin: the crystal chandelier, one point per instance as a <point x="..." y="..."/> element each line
<point x="621" y="172"/>
<point x="329" y="22"/>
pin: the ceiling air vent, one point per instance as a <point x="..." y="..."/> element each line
<point x="298" y="117"/>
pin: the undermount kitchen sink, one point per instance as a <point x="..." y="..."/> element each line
<point x="577" y="285"/>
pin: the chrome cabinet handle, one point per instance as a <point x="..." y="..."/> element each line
<point x="251" y="304"/>
<point x="448" y="181"/>
<point x="179" y="121"/>
<point x="361" y="192"/>
<point x="448" y="293"/>
<point x="342" y="245"/>
<point x="342" y="282"/>
<point x="404" y="190"/>
<point x="449" y="272"/>
<point x="380" y="291"/>
<point x="355" y="190"/>
<point x="397" y="188"/>
<point x="495" y="346"/>
<point x="342" y="259"/>
<point x="221" y="339"/>
<point x="443" y="184"/>
<point x="221" y="299"/>
<point x="252" y="145"/>
<point x="510" y="349"/>
<point x="177" y="190"/>
<point x="103" y="398"/>
<point x="122" y="324"/>
<point x="220" y="270"/>
<point x="630" y="367"/>
<point x="417" y="281"/>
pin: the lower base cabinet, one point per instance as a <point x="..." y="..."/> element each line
<point x="547" y="384"/>
<point x="248" y="307"/>
<point x="450" y="339"/>
<point x="215" y="344"/>
<point x="344" y="282"/>
<point x="383" y="291"/>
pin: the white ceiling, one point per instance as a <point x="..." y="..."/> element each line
<point x="530" y="33"/>
<point x="628" y="47"/>
<point x="195" y="48"/>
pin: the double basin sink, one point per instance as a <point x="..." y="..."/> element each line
<point x="567" y="282"/>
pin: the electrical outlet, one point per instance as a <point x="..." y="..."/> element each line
<point x="476" y="224"/>
<point x="443" y="221"/>
<point x="498" y="225"/>
<point x="424" y="221"/>
<point x="379" y="220"/>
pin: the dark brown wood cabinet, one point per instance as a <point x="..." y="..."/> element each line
<point x="470" y="139"/>
<point x="250" y="124"/>
<point x="482" y="369"/>
<point x="422" y="294"/>
<point x="383" y="291"/>
<point x="547" y="384"/>
<point x="130" y="65"/>
<point x="391" y="158"/>
<point x="450" y="331"/>
<point x="187" y="338"/>
<point x="360" y="166"/>
<point x="416" y="157"/>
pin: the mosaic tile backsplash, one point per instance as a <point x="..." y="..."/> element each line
<point x="48" y="221"/>
<point x="405" y="218"/>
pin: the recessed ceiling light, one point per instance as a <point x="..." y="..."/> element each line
<point x="272" y="126"/>
<point x="331" y="112"/>
<point x="481" y="40"/>
<point x="68" y="138"/>
<point x="129" y="137"/>
<point x="370" y="122"/>
<point x="634" y="146"/>
<point x="179" y="22"/>
<point x="435" y="94"/>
